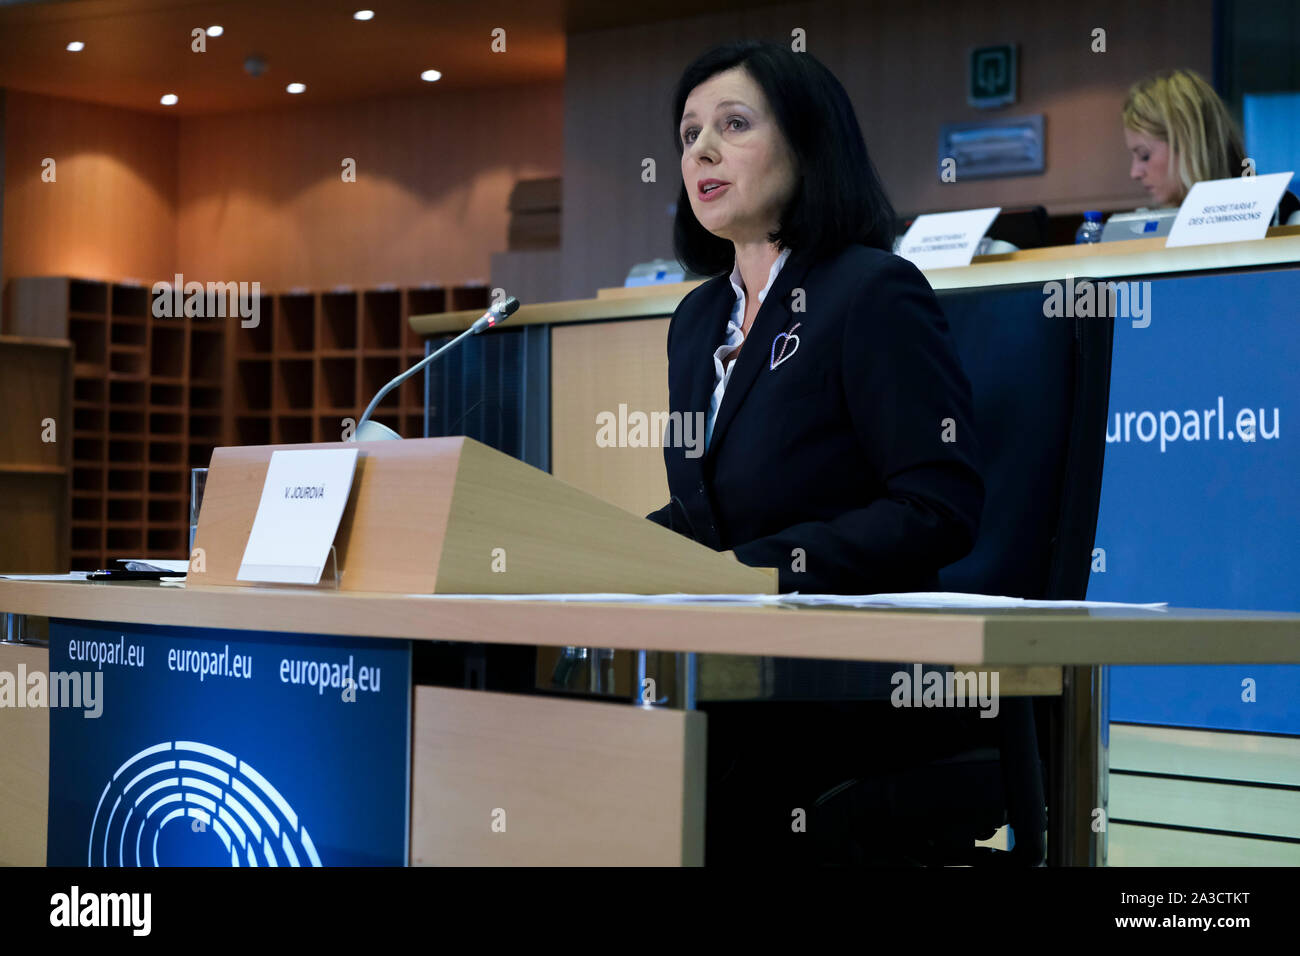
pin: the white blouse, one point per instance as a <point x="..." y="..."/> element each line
<point x="735" y="336"/>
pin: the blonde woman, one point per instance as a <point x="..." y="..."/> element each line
<point x="1179" y="132"/>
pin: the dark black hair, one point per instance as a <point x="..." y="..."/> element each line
<point x="839" y="198"/>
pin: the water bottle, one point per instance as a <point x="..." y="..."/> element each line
<point x="1090" y="231"/>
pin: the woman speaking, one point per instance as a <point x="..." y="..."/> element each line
<point x="839" y="447"/>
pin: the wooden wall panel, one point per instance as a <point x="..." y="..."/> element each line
<point x="531" y="275"/>
<point x="111" y="211"/>
<point x="262" y="197"/>
<point x="259" y="196"/>
<point x="567" y="782"/>
<point x="904" y="67"/>
<point x="595" y="367"/>
<point x="24" y="765"/>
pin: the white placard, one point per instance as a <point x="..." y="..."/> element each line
<point x="946" y="240"/>
<point x="298" y="516"/>
<point x="1228" y="210"/>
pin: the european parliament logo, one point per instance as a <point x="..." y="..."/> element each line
<point x="223" y="810"/>
<point x="212" y="749"/>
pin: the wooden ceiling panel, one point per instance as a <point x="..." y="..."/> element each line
<point x="137" y="50"/>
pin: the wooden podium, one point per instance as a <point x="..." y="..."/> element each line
<point x="453" y="516"/>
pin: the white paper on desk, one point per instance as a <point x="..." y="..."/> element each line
<point x="749" y="600"/>
<point x="70" y="576"/>
<point x="912" y="599"/>
<point x="946" y="240"/>
<point x="949" y="599"/>
<point x="1228" y="210"/>
<point x="302" y="502"/>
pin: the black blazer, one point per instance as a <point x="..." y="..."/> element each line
<point x="849" y="437"/>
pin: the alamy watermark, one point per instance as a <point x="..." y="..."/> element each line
<point x="639" y="429"/>
<point x="934" y="688"/>
<point x="129" y="910"/>
<point x="80" y="689"/>
<point x="216" y="300"/>
<point x="1087" y="299"/>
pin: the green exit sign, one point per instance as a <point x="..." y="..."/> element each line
<point x="991" y="80"/>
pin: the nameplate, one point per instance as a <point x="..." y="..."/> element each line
<point x="299" y="513"/>
<point x="946" y="240"/>
<point x="1228" y="210"/>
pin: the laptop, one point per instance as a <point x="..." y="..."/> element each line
<point x="1139" y="224"/>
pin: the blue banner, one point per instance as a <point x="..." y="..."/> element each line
<point x="200" y="747"/>
<point x="1199" y="503"/>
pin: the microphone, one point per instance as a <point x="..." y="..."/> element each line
<point x="367" y="430"/>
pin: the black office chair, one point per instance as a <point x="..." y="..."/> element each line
<point x="1041" y="389"/>
<point x="1024" y="228"/>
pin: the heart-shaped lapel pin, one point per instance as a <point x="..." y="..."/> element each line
<point x="785" y="338"/>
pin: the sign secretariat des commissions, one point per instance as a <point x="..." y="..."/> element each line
<point x="1199" y="503"/>
<point x="268" y="750"/>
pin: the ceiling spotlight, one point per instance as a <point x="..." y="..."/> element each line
<point x="431" y="76"/>
<point x="169" y="99"/>
<point x="76" y="46"/>
<point x="216" y="31"/>
<point x="296" y="87"/>
<point x="364" y="15"/>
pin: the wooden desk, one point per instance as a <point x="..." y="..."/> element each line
<point x="1136" y="257"/>
<point x="449" y="723"/>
